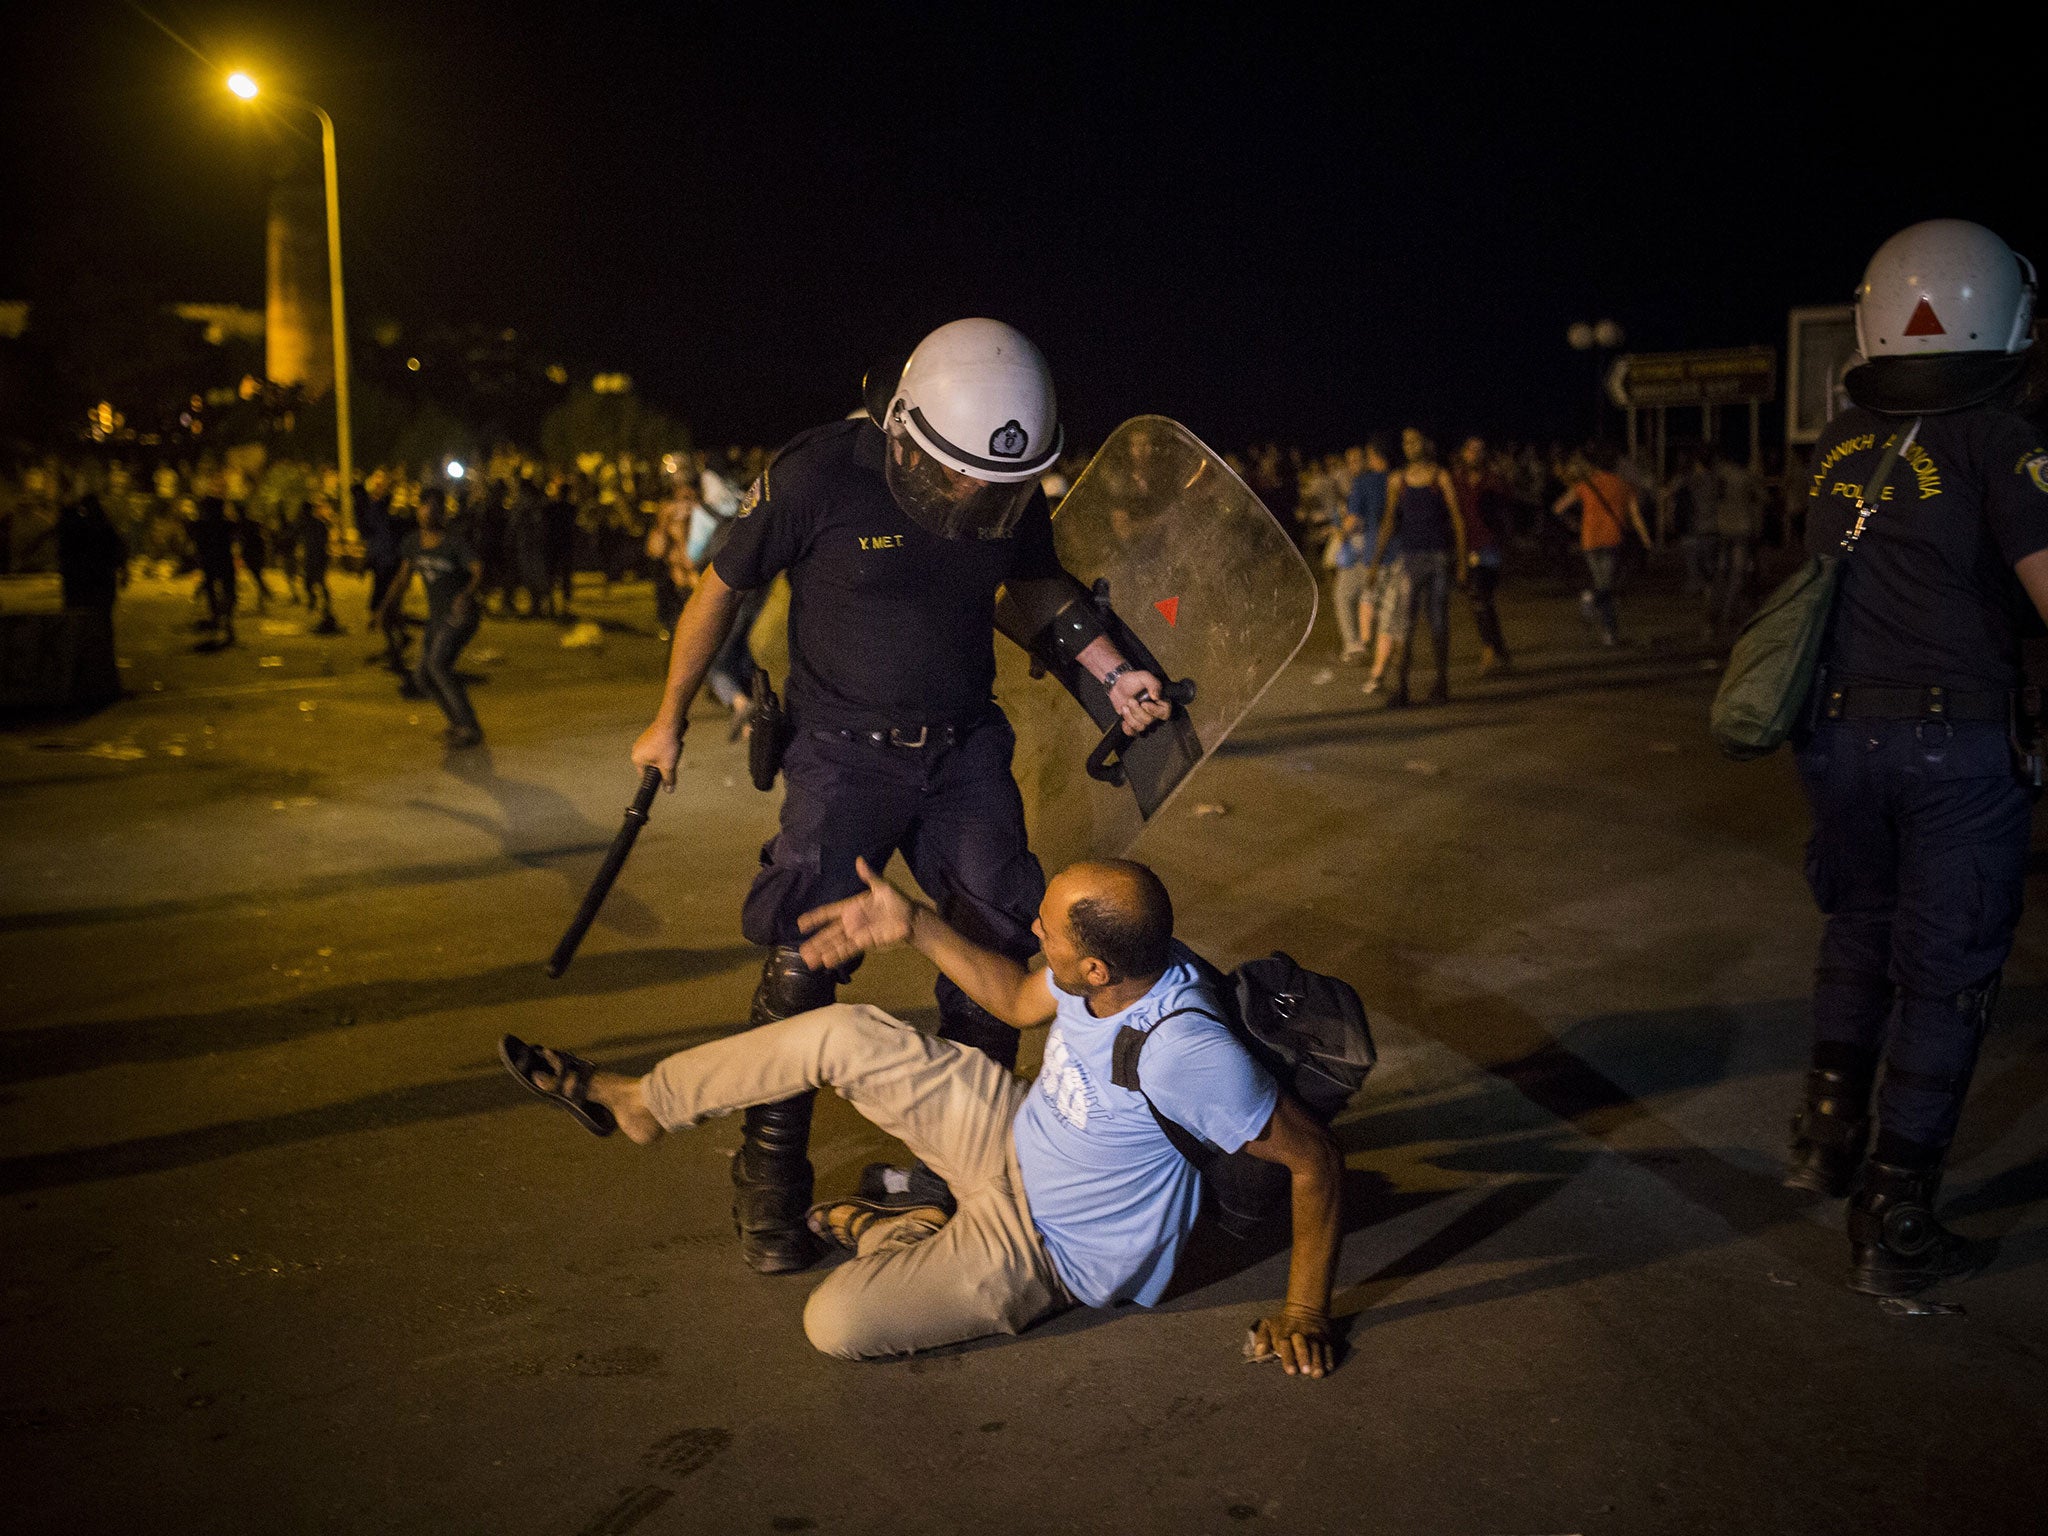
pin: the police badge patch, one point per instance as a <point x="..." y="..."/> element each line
<point x="752" y="499"/>
<point x="2035" y="468"/>
<point x="1008" y="441"/>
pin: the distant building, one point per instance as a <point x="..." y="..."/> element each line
<point x="223" y="323"/>
<point x="298" y="328"/>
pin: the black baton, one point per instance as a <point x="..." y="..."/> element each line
<point x="607" y="872"/>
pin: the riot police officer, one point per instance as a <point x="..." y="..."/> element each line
<point x="896" y="529"/>
<point x="1935" y="495"/>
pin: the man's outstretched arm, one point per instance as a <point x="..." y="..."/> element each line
<point x="1299" y="1333"/>
<point x="884" y="916"/>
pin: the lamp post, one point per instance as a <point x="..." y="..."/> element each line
<point x="246" y="88"/>
<point x="1599" y="337"/>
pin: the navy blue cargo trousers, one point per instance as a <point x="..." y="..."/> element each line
<point x="1918" y="862"/>
<point x="955" y="813"/>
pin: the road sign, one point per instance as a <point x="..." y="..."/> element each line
<point x="1820" y="345"/>
<point x="1728" y="376"/>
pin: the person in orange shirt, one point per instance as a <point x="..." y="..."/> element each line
<point x="1604" y="501"/>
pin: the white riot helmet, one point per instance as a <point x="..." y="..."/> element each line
<point x="1943" y="287"/>
<point x="972" y="424"/>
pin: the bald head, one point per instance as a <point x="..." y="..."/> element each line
<point x="1117" y="912"/>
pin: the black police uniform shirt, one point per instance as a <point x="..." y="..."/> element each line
<point x="888" y="625"/>
<point x="445" y="571"/>
<point x="1928" y="595"/>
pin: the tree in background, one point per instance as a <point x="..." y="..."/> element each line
<point x="605" y="417"/>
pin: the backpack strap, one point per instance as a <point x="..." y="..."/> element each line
<point x="1123" y="1071"/>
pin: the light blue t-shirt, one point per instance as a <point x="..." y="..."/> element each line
<point x="1368" y="503"/>
<point x="1110" y="1195"/>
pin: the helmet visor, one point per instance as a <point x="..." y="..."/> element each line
<point x="942" y="500"/>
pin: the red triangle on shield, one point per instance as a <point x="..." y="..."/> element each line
<point x="1170" y="607"/>
<point x="1924" y="322"/>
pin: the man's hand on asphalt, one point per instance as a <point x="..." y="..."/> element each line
<point x="1298" y="1338"/>
<point x="839" y="931"/>
<point x="1136" y="698"/>
<point x="659" y="746"/>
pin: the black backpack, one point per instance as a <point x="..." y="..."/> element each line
<point x="1307" y="1029"/>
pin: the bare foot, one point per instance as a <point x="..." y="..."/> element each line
<point x="616" y="1092"/>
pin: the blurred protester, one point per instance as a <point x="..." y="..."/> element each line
<point x="313" y="534"/>
<point x="92" y="557"/>
<point x="1365" y="506"/>
<point x="452" y="574"/>
<point x="1739" y="499"/>
<point x="488" y="528"/>
<point x="1273" y="479"/>
<point x="254" y="545"/>
<point x="558" y="517"/>
<point x="668" y="546"/>
<point x="1692" y="516"/>
<point x="378" y="524"/>
<point x="1422" y="512"/>
<point x="213" y="551"/>
<point x="526" y="537"/>
<point x="1606" y="505"/>
<point x="1324" y="485"/>
<point x="1484" y="504"/>
<point x="732" y="670"/>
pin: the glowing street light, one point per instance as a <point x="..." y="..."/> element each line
<point x="245" y="87"/>
<point x="456" y="470"/>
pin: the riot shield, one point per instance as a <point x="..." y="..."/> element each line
<point x="1200" y="585"/>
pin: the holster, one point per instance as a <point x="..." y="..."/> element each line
<point x="2028" y="733"/>
<point x="768" y="736"/>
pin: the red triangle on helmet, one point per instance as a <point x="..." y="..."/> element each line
<point x="1924" y="322"/>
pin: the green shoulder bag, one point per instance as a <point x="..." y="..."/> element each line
<point x="1773" y="662"/>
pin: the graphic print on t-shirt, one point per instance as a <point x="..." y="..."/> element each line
<point x="1064" y="1082"/>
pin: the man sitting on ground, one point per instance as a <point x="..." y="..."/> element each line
<point x="1067" y="1189"/>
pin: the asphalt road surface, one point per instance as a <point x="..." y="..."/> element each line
<point x="285" y="1250"/>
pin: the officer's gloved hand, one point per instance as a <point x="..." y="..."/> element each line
<point x="1135" y="697"/>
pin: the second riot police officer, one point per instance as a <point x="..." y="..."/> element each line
<point x="896" y="529"/>
<point x="1935" y="495"/>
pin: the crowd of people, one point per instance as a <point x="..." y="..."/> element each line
<point x="1399" y="528"/>
<point x="254" y="534"/>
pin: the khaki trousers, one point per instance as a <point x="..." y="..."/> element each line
<point x="910" y="1288"/>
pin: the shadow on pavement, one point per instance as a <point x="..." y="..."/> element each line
<point x="1291" y="733"/>
<point x="1678" y="1052"/>
<point x="394" y="1108"/>
<point x="63" y="1048"/>
<point x="441" y="872"/>
<point x="529" y="810"/>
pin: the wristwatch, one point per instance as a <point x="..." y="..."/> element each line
<point x="1109" y="678"/>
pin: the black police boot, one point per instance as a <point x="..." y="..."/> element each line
<point x="771" y="1175"/>
<point x="771" y="1178"/>
<point x="1830" y="1133"/>
<point x="1896" y="1247"/>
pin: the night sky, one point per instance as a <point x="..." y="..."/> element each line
<point x="1264" y="228"/>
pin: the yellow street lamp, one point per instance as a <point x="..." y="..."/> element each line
<point x="246" y="88"/>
